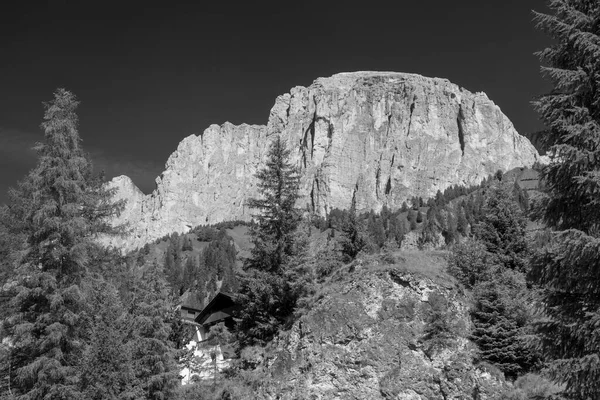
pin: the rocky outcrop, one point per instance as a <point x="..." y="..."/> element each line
<point x="376" y="137"/>
<point x="369" y="336"/>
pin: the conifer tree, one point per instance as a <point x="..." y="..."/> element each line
<point x="355" y="239"/>
<point x="153" y="355"/>
<point x="268" y="296"/>
<point x="277" y="216"/>
<point x="106" y="370"/>
<point x="58" y="210"/>
<point x="568" y="266"/>
<point x="500" y="318"/>
<point x="502" y="228"/>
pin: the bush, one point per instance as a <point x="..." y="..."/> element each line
<point x="532" y="387"/>
<point x="470" y="263"/>
<point x="439" y="329"/>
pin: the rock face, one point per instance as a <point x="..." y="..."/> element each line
<point x="366" y="337"/>
<point x="376" y="137"/>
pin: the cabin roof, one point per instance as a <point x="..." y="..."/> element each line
<point x="217" y="309"/>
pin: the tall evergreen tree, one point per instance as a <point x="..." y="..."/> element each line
<point x="269" y="297"/>
<point x="153" y="355"/>
<point x="106" y="370"/>
<point x="568" y="266"/>
<point x="58" y="210"/>
<point x="277" y="217"/>
<point x="355" y="239"/>
<point x="502" y="228"/>
<point x="499" y="320"/>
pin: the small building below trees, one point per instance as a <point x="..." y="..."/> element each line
<point x="219" y="309"/>
<point x="208" y="355"/>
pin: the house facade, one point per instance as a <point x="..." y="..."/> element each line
<point x="207" y="357"/>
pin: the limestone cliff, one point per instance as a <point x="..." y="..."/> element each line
<point x="376" y="137"/>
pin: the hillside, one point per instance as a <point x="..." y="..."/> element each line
<point x="372" y="331"/>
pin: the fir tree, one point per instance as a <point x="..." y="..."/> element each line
<point x="355" y="240"/>
<point x="153" y="356"/>
<point x="419" y="217"/>
<point x="277" y="216"/>
<point x="502" y="228"/>
<point x="462" y="225"/>
<point x="500" y="318"/>
<point x="268" y="296"/>
<point x="568" y="266"/>
<point x="58" y="210"/>
<point x="106" y="371"/>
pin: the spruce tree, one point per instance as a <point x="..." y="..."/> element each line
<point x="499" y="319"/>
<point x="58" y="210"/>
<point x="568" y="267"/>
<point x="267" y="294"/>
<point x="355" y="239"/>
<point x="502" y="228"/>
<point x="154" y="357"/>
<point x="277" y="217"/>
<point x="106" y="370"/>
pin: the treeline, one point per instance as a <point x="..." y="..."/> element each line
<point x="202" y="261"/>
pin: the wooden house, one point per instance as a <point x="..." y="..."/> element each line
<point x="208" y="354"/>
<point x="219" y="309"/>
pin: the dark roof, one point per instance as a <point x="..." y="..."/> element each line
<point x="217" y="309"/>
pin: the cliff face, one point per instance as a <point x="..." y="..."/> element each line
<point x="377" y="137"/>
<point x="369" y="336"/>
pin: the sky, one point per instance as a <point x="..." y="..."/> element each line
<point x="149" y="75"/>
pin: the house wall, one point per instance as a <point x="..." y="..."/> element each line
<point x="202" y="365"/>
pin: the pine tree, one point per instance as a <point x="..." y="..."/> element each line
<point x="502" y="228"/>
<point x="355" y="239"/>
<point x="462" y="225"/>
<point x="277" y="216"/>
<point x="419" y="217"/>
<point x="58" y="209"/>
<point x="497" y="331"/>
<point x="268" y="296"/>
<point x="106" y="371"/>
<point x="568" y="266"/>
<point x="153" y="356"/>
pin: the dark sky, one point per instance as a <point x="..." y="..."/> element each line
<point x="148" y="76"/>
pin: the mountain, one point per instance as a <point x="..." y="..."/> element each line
<point x="379" y="138"/>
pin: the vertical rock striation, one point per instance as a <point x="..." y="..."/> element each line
<point x="377" y="138"/>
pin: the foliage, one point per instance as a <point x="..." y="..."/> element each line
<point x="355" y="239"/>
<point x="500" y="319"/>
<point x="470" y="263"/>
<point x="58" y="209"/>
<point x="568" y="266"/>
<point x="439" y="328"/>
<point x="153" y="355"/>
<point x="277" y="216"/>
<point x="269" y="297"/>
<point x="106" y="371"/>
<point x="532" y="387"/>
<point x="268" y="302"/>
<point x="502" y="228"/>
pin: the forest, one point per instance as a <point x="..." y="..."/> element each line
<point x="79" y="320"/>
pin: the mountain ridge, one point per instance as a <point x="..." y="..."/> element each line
<point x="375" y="138"/>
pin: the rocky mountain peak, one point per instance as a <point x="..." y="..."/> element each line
<point x="376" y="137"/>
